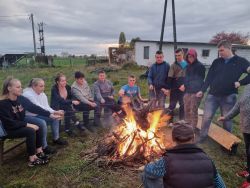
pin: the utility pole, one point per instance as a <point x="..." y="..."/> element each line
<point x="33" y="31"/>
<point x="41" y="38"/>
<point x="174" y="25"/>
<point x="163" y="24"/>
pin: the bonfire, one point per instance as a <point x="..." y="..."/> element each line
<point x="138" y="139"/>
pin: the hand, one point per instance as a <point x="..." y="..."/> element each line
<point x="111" y="97"/>
<point x="236" y="84"/>
<point x="165" y="91"/>
<point x="182" y="88"/>
<point x="35" y="127"/>
<point x="59" y="112"/>
<point x="151" y="87"/>
<point x="141" y="168"/>
<point x="76" y="102"/>
<point x="92" y="104"/>
<point x="222" y="118"/>
<point x="102" y="101"/>
<point x="199" y="94"/>
<point x="57" y="117"/>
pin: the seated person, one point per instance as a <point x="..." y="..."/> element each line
<point x="81" y="91"/>
<point x="132" y="91"/>
<point x="12" y="116"/>
<point x="61" y="99"/>
<point x="104" y="98"/>
<point x="184" y="165"/>
<point x="35" y="93"/>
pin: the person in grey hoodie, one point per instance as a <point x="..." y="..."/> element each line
<point x="242" y="107"/>
<point x="104" y="98"/>
<point x="80" y="91"/>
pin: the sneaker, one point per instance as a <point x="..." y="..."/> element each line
<point x="77" y="123"/>
<point x="245" y="184"/>
<point x="42" y="156"/>
<point x="49" y="150"/>
<point x="81" y="127"/>
<point x="60" y="141"/>
<point x="90" y="128"/>
<point x="70" y="133"/>
<point x="243" y="174"/>
<point x="38" y="162"/>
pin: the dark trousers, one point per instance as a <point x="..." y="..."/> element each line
<point x="177" y="96"/>
<point x="68" y="116"/>
<point x="107" y="107"/>
<point x="85" y="108"/>
<point x="247" y="145"/>
<point x="33" y="138"/>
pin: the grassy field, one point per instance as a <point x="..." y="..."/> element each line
<point x="67" y="168"/>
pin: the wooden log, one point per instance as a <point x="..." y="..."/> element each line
<point x="221" y="136"/>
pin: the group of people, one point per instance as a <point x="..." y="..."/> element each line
<point x="184" y="82"/>
<point x="27" y="113"/>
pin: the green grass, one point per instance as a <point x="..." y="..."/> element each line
<point x="65" y="166"/>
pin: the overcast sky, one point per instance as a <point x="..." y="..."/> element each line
<point x="90" y="26"/>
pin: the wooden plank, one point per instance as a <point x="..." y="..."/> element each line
<point x="218" y="134"/>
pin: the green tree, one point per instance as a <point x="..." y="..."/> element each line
<point x="132" y="42"/>
<point x="122" y="39"/>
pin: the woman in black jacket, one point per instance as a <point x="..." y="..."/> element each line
<point x="61" y="99"/>
<point x="12" y="116"/>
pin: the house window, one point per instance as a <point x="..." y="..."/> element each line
<point x="205" y="53"/>
<point x="146" y="52"/>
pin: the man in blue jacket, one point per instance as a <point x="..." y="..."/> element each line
<point x="157" y="79"/>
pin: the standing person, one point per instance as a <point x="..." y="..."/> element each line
<point x="61" y="99"/>
<point x="242" y="107"/>
<point x="175" y="84"/>
<point x="194" y="80"/>
<point x="223" y="80"/>
<point x="104" y="98"/>
<point x="12" y="116"/>
<point x="35" y="93"/>
<point x="157" y="79"/>
<point x="184" y="165"/>
<point x="81" y="91"/>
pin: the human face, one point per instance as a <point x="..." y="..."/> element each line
<point x="225" y="52"/>
<point x="179" y="56"/>
<point x="80" y="81"/>
<point x="39" y="88"/>
<point x="102" y="76"/>
<point x="190" y="59"/>
<point x="15" y="89"/>
<point x="131" y="81"/>
<point x="62" y="81"/>
<point x="159" y="58"/>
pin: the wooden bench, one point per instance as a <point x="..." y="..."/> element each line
<point x="3" y="137"/>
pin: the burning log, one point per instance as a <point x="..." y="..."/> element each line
<point x="134" y="141"/>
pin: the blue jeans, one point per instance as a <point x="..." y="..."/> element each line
<point x="212" y="103"/>
<point x="151" y="182"/>
<point x="54" y="125"/>
<point x="42" y="126"/>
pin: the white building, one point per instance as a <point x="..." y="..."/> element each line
<point x="207" y="52"/>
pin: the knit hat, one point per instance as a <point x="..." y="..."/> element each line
<point x="192" y="52"/>
<point x="182" y="131"/>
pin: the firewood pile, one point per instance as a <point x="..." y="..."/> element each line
<point x="139" y="139"/>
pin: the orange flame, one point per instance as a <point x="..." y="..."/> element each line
<point x="135" y="139"/>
